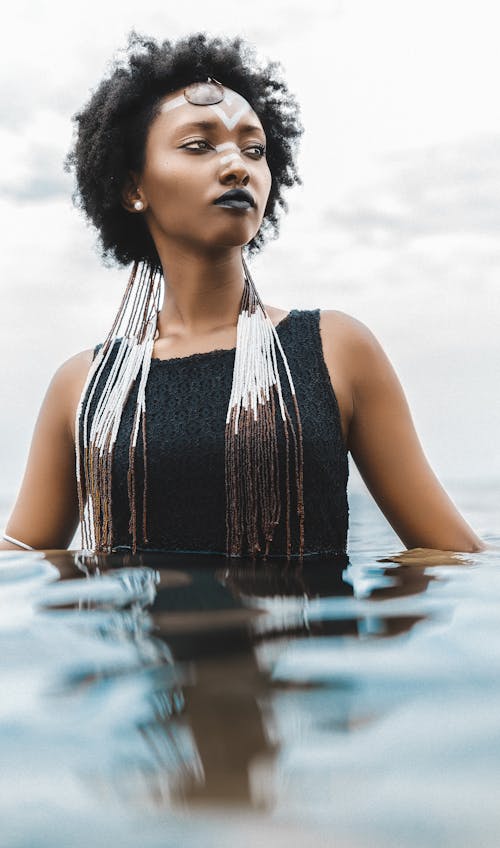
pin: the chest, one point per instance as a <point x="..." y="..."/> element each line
<point x="186" y="409"/>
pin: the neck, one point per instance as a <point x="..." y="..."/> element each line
<point x="202" y="292"/>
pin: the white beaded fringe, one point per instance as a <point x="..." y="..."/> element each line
<point x="133" y="340"/>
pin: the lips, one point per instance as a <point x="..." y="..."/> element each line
<point x="236" y="198"/>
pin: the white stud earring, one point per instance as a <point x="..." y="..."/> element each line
<point x="139" y="205"/>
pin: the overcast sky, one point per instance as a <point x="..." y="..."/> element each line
<point x="397" y="222"/>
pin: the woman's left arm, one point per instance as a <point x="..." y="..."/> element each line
<point x="386" y="449"/>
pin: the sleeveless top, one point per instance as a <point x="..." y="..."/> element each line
<point x="186" y="407"/>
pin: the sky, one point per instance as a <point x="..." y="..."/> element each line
<point x="397" y="221"/>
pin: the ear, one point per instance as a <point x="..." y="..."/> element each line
<point x="131" y="193"/>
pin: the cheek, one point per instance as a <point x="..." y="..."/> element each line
<point x="267" y="182"/>
<point x="166" y="174"/>
<point x="268" y="178"/>
<point x="163" y="180"/>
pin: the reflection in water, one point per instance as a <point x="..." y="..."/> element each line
<point x="174" y="682"/>
<point x="225" y="628"/>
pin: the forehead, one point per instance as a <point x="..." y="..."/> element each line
<point x="233" y="112"/>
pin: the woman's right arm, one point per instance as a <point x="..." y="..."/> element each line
<point x="45" y="514"/>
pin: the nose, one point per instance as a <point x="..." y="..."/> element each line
<point x="234" y="171"/>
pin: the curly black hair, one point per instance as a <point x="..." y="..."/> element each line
<point x="111" y="130"/>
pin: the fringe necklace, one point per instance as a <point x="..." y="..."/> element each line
<point x="253" y="503"/>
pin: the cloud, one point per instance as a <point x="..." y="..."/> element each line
<point x="43" y="177"/>
<point x="35" y="157"/>
<point x="440" y="190"/>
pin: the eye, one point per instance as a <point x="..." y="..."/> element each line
<point x="198" y="141"/>
<point x="261" y="150"/>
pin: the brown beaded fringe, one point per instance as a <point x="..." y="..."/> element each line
<point x="139" y="303"/>
<point x="253" y="503"/>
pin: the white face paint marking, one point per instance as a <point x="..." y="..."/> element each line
<point x="229" y="158"/>
<point x="173" y="104"/>
<point x="227" y="114"/>
<point x="226" y="146"/>
<point x="230" y="120"/>
<point x="228" y="117"/>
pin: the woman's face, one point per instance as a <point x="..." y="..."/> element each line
<point x="195" y="154"/>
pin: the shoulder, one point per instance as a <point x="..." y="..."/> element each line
<point x="74" y="371"/>
<point x="369" y="372"/>
<point x="366" y="382"/>
<point x="349" y="339"/>
<point x="76" y="365"/>
<point x="344" y="342"/>
<point x="67" y="385"/>
<point x="354" y="356"/>
<point x="333" y="322"/>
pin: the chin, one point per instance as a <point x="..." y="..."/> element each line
<point x="235" y="237"/>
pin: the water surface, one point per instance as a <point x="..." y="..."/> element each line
<point x="180" y="700"/>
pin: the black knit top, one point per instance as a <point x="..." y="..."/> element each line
<point x="186" y="407"/>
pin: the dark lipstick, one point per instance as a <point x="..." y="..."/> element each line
<point x="236" y="198"/>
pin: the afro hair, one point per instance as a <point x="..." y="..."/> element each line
<point x="112" y="128"/>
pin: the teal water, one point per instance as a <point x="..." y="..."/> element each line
<point x="177" y="701"/>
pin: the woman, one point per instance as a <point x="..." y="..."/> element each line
<point x="207" y="421"/>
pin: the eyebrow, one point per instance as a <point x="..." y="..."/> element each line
<point x="213" y="125"/>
